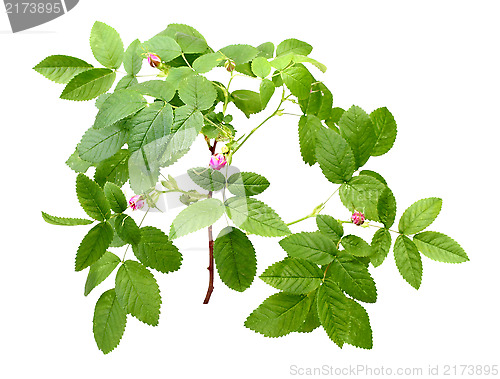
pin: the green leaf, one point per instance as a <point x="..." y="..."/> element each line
<point x="356" y="246"/>
<point x="297" y="58"/>
<point x="420" y="215"/>
<point x="93" y="245"/>
<point x="334" y="156"/>
<point x="127" y="229"/>
<point x="247" y="184"/>
<point x="61" y="68"/>
<point x="293" y="275"/>
<point x="246" y="69"/>
<point x="333" y="311"/>
<point x="255" y="217"/>
<point x="282" y="62"/>
<point x="381" y="244"/>
<point x="311" y="104"/>
<point x="195" y="217"/>
<point x="106" y="45"/>
<point x="334" y="118"/>
<point x="119" y="106"/>
<point x="312" y="321"/>
<point x="279" y="315"/>
<point x="92" y="198"/>
<point x="408" y="260"/>
<point x="117" y="241"/>
<point x="158" y="89"/>
<point x="360" y="331"/>
<point x="163" y="46"/>
<point x="313" y="246"/>
<point x="109" y="322"/>
<point x="235" y="258"/>
<point x="207" y="62"/>
<point x="261" y="67"/>
<point x="266" y="91"/>
<point x="249" y="102"/>
<point x="137" y="292"/>
<point x="97" y="145"/>
<point x="126" y="82"/>
<point x="100" y="270"/>
<point x="188" y="38"/>
<point x="77" y="164"/>
<point x="277" y="79"/>
<point x="294" y="46"/>
<point x="386" y="207"/>
<point x="357" y="129"/>
<point x="353" y="277"/>
<point x="361" y="194"/>
<point x="150" y="124"/>
<point x="373" y="174"/>
<point x="240" y="53"/>
<point x="89" y="84"/>
<point x="113" y="169"/>
<point x="187" y="125"/>
<point x="115" y="197"/>
<point x="197" y="91"/>
<point x="326" y="102"/>
<point x="101" y="99"/>
<point x="308" y="131"/>
<point x="440" y="247"/>
<point x="298" y="80"/>
<point x="65" y="221"/>
<point x="206" y="178"/>
<point x="266" y="50"/>
<point x="132" y="60"/>
<point x="330" y="227"/>
<point x="385" y="130"/>
<point x="156" y="251"/>
<point x="177" y="74"/>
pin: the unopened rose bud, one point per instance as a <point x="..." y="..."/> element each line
<point x="154" y="60"/>
<point x="217" y="161"/>
<point x="136" y="202"/>
<point x="358" y="218"/>
<point x="229" y="65"/>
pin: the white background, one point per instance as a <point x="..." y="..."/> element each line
<point x="434" y="64"/>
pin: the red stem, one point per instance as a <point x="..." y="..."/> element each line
<point x="210" y="248"/>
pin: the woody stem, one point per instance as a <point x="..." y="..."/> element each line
<point x="210" y="248"/>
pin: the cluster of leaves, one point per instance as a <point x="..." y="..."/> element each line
<point x="136" y="291"/>
<point x="326" y="272"/>
<point x="142" y="127"/>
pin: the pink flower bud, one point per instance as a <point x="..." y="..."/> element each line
<point x="358" y="218"/>
<point x="136" y="202"/>
<point x="217" y="161"/>
<point x="154" y="60"/>
<point x="229" y="65"/>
